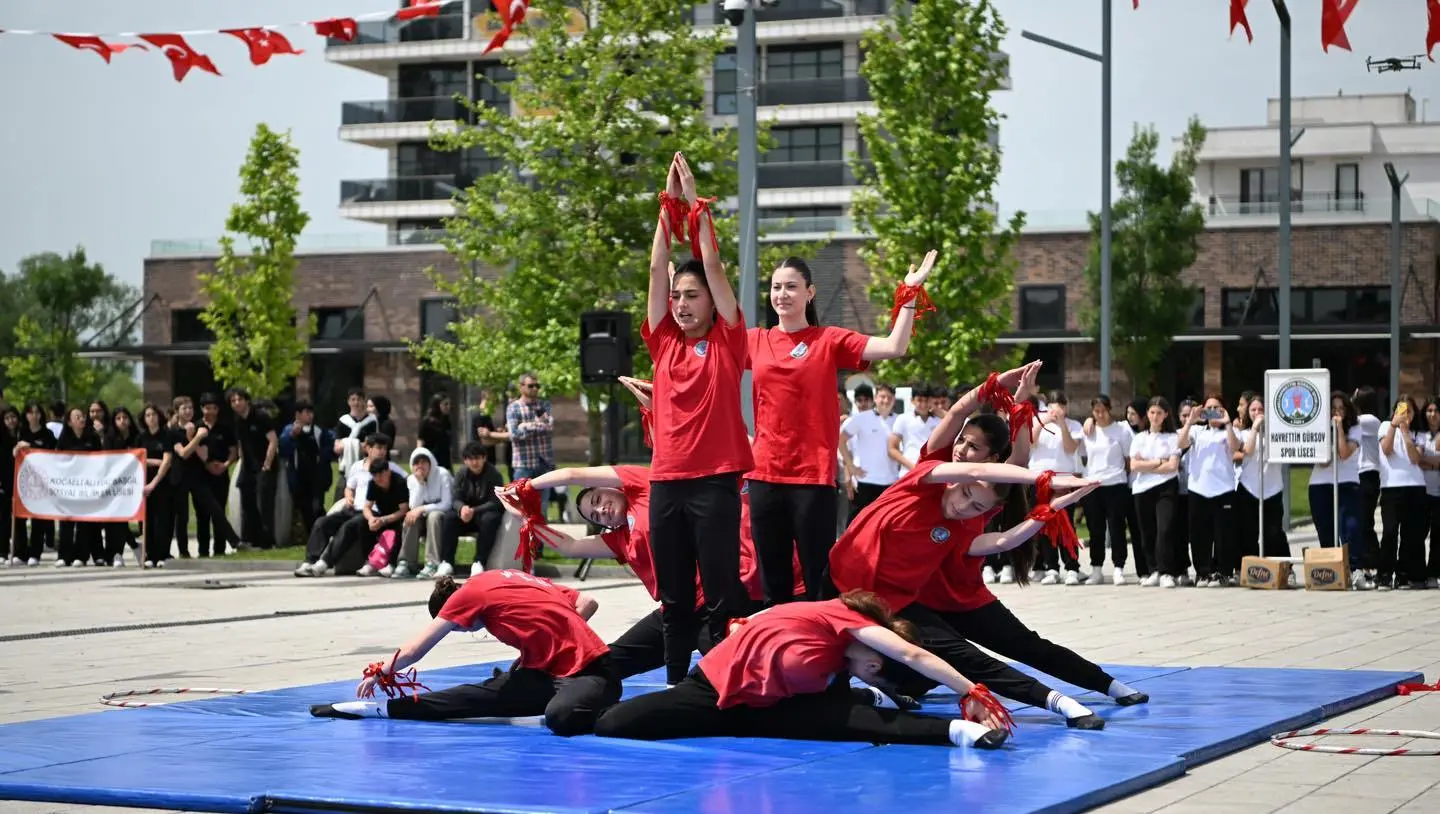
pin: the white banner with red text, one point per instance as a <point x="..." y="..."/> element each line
<point x="87" y="487"/>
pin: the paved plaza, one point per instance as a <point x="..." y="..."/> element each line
<point x="168" y="629"/>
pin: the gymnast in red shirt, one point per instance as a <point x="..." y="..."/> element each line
<point x="797" y="430"/>
<point x="784" y="673"/>
<point x="695" y="331"/>
<point x="563" y="671"/>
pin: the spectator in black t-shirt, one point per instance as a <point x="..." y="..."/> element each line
<point x="436" y="433"/>
<point x="387" y="498"/>
<point x="34" y="536"/>
<point x="483" y="429"/>
<point x="211" y="451"/>
<point x="475" y="510"/>
<point x="379" y="406"/>
<point x="259" y="447"/>
<point x="308" y="449"/>
<point x="78" y="540"/>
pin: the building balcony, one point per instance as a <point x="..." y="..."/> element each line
<point x="838" y="226"/>
<point x="814" y="91"/>
<point x="819" y="9"/>
<point x="806" y="174"/>
<point x="403" y="111"/>
<point x="400" y="190"/>
<point x="422" y="29"/>
<point x="1226" y="206"/>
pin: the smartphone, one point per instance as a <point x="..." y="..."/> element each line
<point x="1211" y="414"/>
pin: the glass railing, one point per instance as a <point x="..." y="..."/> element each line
<point x="814" y="91"/>
<point x="1222" y="206"/>
<point x="787" y="10"/>
<point x="354" y="241"/>
<point x="834" y="224"/>
<point x="399" y="111"/>
<point x="421" y="29"/>
<point x="789" y="175"/>
<point x="391" y="190"/>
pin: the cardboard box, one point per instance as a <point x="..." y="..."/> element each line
<point x="1264" y="573"/>
<point x="1327" y="569"/>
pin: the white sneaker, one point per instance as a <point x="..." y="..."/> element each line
<point x="1037" y="575"/>
<point x="384" y="572"/>
<point x="988" y="574"/>
<point x="305" y="570"/>
<point x="1119" y="578"/>
<point x="32" y="562"/>
<point x="61" y="564"/>
<point x="319" y="568"/>
<point x="1150" y="581"/>
<point x="119" y="562"/>
<point x="365" y="571"/>
<point x="402" y="571"/>
<point x="1184" y="581"/>
<point x="1167" y="581"/>
<point x="448" y="570"/>
<point x="1050" y="578"/>
<point x="159" y="563"/>
<point x="1097" y="577"/>
<point x="1007" y="575"/>
<point x="4" y="562"/>
<point x="1072" y="577"/>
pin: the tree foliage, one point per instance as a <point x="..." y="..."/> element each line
<point x="1155" y="230"/>
<point x="50" y="310"/>
<point x="930" y="181"/>
<point x="258" y="344"/>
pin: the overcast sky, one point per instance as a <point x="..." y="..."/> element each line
<point x="111" y="157"/>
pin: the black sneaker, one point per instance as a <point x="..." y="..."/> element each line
<point x="1090" y="722"/>
<point x="993" y="739"/>
<point x="329" y="711"/>
<point x="900" y="700"/>
<point x="1132" y="699"/>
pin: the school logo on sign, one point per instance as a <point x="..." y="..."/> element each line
<point x="702" y="347"/>
<point x="1297" y="402"/>
<point x="939" y="534"/>
<point x="799" y="351"/>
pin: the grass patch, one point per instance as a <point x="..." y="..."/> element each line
<point x="1299" y="492"/>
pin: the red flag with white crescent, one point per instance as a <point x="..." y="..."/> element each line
<point x="419" y="8"/>
<point x="1333" y="16"/>
<point x="182" y="57"/>
<point x="1432" y="32"/>
<point x="89" y="42"/>
<point x="1237" y="17"/>
<point x="263" y="43"/>
<point x="340" y="28"/>
<point x="512" y="13"/>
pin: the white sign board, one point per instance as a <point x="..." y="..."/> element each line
<point x="1297" y="417"/>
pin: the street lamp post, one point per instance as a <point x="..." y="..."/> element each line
<point x="1396" y="289"/>
<point x="1104" y="58"/>
<point x="741" y="14"/>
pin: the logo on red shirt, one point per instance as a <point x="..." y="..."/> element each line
<point x="800" y="351"/>
<point x="939" y="535"/>
<point x="702" y="347"/>
<point x="630" y="520"/>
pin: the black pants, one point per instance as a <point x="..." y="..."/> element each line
<point x="1433" y="569"/>
<point x="1155" y="510"/>
<point x="159" y="523"/>
<point x="323" y="530"/>
<point x="865" y="494"/>
<point x="994" y="627"/>
<point x="32" y="537"/>
<point x="1180" y="531"/>
<point x="485" y="525"/>
<point x="1106" y="510"/>
<point x="695" y="523"/>
<point x="355" y="530"/>
<point x="1404" y="521"/>
<point x="1251" y="540"/>
<point x="691" y="710"/>
<point x="1143" y="564"/>
<point x="116" y="538"/>
<point x="210" y="494"/>
<point x="570" y="705"/>
<point x="76" y="541"/>
<point x="180" y="500"/>
<point x="257" y="505"/>
<point x="1212" y="535"/>
<point x="1369" y="502"/>
<point x="1053" y="556"/>
<point x="9" y="543"/>
<point x="308" y="499"/>
<point x="937" y="636"/>
<point x="788" y="518"/>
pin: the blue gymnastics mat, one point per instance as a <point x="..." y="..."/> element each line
<point x="263" y="752"/>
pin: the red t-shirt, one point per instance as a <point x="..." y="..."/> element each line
<point x="797" y="428"/>
<point x="532" y="615"/>
<point x="698" y="429"/>
<point x="898" y="542"/>
<point x="749" y="565"/>
<point x="788" y="650"/>
<point x="631" y="543"/>
<point x="958" y="584"/>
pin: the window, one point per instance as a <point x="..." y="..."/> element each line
<point x="1052" y="372"/>
<point x="486" y="90"/>
<point x="185" y="326"/>
<point x="1368" y="305"/>
<point x="800" y="212"/>
<point x="339" y="323"/>
<point x="724" y="79"/>
<point x="437" y="79"/>
<point x="1347" y="186"/>
<point x="1241" y="307"/>
<point x="193" y="376"/>
<point x="417" y="159"/>
<point x="1197" y="314"/>
<point x="331" y="377"/>
<point x="436" y="317"/>
<point x="1042" y="308"/>
<point x="796" y="145"/>
<point x="805" y="62"/>
<point x="1257" y="188"/>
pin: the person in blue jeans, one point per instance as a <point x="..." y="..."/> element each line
<point x="1324" y="478"/>
<point x="531" y="424"/>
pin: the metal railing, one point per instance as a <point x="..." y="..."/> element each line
<point x="814" y="91"/>
<point x="391" y="190"/>
<point x="1312" y="202"/>
<point x="400" y="111"/>
<point x="422" y="29"/>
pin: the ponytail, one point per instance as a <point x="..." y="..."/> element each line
<point x="874" y="608"/>
<point x="445" y="587"/>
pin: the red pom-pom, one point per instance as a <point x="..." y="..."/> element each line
<point x="531" y="539"/>
<point x="392" y="683"/>
<point x="992" y="705"/>
<point x="1057" y="522"/>
<point x="906" y="294"/>
<point x="701" y="207"/>
<point x="674" y="214"/>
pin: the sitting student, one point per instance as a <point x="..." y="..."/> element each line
<point x="430" y="495"/>
<point x="307" y="450"/>
<point x="563" y="671"/>
<point x="384" y="507"/>
<point x="377" y="448"/>
<point x="474" y="509"/>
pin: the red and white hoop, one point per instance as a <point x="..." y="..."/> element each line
<point x="1282" y="740"/>
<point x="113" y="699"/>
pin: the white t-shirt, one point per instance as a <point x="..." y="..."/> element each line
<point x="1153" y="446"/>
<point x="870" y="447"/>
<point x="1047" y="452"/>
<point x="1369" y="454"/>
<point x="1212" y="464"/>
<point x="1250" y="472"/>
<point x="1395" y="469"/>
<point x="1320" y="474"/>
<point x="914" y="431"/>
<point x="357" y="478"/>
<point x="1429" y="454"/>
<point x="1106" y="449"/>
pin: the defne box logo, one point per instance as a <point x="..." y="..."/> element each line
<point x="1323" y="576"/>
<point x="1259" y="573"/>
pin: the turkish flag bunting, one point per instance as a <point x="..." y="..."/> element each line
<point x="1237" y="17"/>
<point x="341" y="28"/>
<point x="419" y="8"/>
<point x="1432" y="33"/>
<point x="182" y="56"/>
<point x="263" y="43"/>
<point x="1333" y="15"/>
<point x="512" y="13"/>
<point x="90" y="42"/>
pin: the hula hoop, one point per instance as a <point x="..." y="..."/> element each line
<point x="1281" y="739"/>
<point x="112" y="699"/>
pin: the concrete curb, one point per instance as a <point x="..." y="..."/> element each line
<point x="226" y="566"/>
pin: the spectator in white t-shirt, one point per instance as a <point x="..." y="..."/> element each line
<point x="1403" y="516"/>
<point x="1155" y="463"/>
<point x="1257" y="484"/>
<point x="1332" y="483"/>
<point x="1428" y="439"/>
<point x="1212" y="445"/>
<point x="1107" y="448"/>
<point x="865" y="447"/>
<point x="912" y="429"/>
<point x="1056" y="448"/>
<point x="1368" y="409"/>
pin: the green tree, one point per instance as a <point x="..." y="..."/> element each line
<point x="1155" y="235"/>
<point x="258" y="344"/>
<point x="568" y="221"/>
<point x="47" y="367"/>
<point x="930" y="178"/>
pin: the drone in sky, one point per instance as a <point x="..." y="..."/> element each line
<point x="1385" y="64"/>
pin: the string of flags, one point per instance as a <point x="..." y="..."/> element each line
<point x="1333" y="16"/>
<point x="263" y="42"/>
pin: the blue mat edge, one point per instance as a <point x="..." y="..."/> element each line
<point x="1109" y="794"/>
<point x="136" y="798"/>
